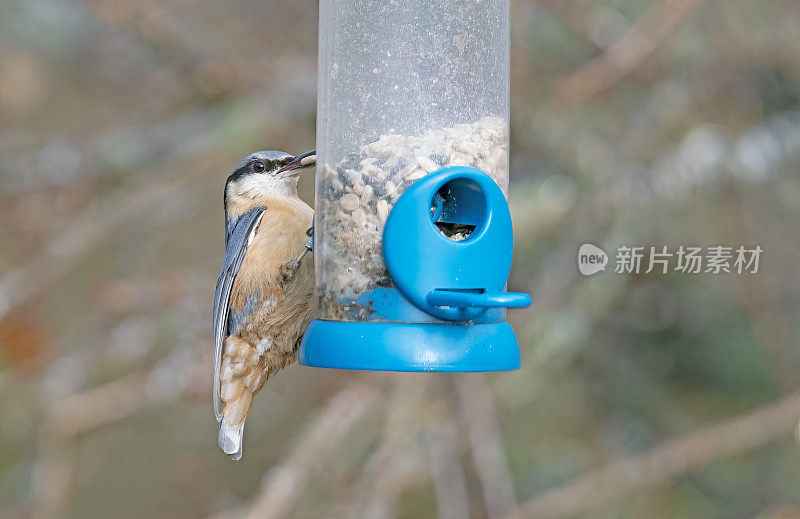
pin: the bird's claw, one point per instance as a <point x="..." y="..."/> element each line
<point x="289" y="269"/>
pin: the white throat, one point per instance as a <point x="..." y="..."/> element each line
<point x="264" y="185"/>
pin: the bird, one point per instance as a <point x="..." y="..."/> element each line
<point x="263" y="300"/>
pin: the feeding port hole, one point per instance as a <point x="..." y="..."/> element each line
<point x="458" y="208"/>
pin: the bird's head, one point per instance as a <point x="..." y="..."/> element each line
<point x="264" y="175"/>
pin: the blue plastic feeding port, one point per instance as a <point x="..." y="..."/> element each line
<point x="447" y="245"/>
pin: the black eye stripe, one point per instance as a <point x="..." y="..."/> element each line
<point x="268" y="164"/>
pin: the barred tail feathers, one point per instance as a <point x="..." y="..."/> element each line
<point x="240" y="365"/>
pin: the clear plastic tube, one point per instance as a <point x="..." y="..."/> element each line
<point x="405" y="87"/>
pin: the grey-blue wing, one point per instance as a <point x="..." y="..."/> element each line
<point x="238" y="239"/>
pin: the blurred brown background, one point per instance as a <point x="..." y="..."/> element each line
<point x="671" y="122"/>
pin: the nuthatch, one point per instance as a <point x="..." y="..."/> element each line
<point x="263" y="301"/>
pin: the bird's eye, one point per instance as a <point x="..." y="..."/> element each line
<point x="259" y="166"/>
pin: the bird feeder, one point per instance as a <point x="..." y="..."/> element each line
<point x="412" y="236"/>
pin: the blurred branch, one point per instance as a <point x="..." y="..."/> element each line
<point x="238" y="123"/>
<point x="576" y="17"/>
<point x="767" y="314"/>
<point x="401" y="468"/>
<point x="52" y="475"/>
<point x="100" y="406"/>
<point x="480" y="419"/>
<point x="398" y="459"/>
<point x="632" y="50"/>
<point x="206" y="70"/>
<point x="449" y="481"/>
<point x="67" y="418"/>
<point x="68" y="248"/>
<point x="70" y="416"/>
<point x="672" y="458"/>
<point x="151" y="23"/>
<point x="284" y="483"/>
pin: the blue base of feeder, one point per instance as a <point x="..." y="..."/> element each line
<point x="410" y="347"/>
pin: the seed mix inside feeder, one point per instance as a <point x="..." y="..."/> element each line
<point x="358" y="193"/>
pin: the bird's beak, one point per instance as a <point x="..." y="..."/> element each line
<point x="302" y="161"/>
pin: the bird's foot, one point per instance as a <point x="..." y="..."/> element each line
<point x="289" y="269"/>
